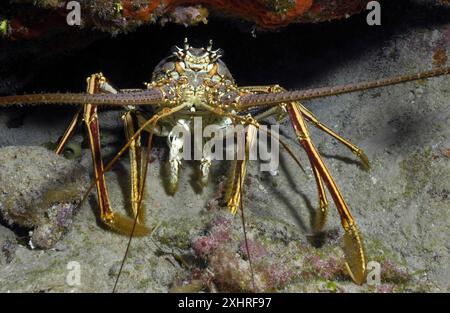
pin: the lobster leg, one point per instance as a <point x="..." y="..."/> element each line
<point x="69" y="131"/>
<point x="353" y="245"/>
<point x="224" y="131"/>
<point x="136" y="166"/>
<point x="353" y="148"/>
<point x="176" y="145"/>
<point x="114" y="220"/>
<point x="321" y="213"/>
<point x="310" y="117"/>
<point x="103" y="86"/>
<point x="238" y="172"/>
<point x="320" y="217"/>
<point x="204" y="167"/>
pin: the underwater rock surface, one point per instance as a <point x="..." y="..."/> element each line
<point x="26" y="19"/>
<point x="40" y="191"/>
<point x="31" y="19"/>
<point x="402" y="205"/>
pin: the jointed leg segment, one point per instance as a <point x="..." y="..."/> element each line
<point x="118" y="222"/>
<point x="114" y="220"/>
<point x="69" y="131"/>
<point x="239" y="170"/>
<point x="353" y="249"/>
<point x="321" y="213"/>
<point x="353" y="148"/>
<point x="175" y="141"/>
<point x="136" y="165"/>
<point x="310" y="117"/>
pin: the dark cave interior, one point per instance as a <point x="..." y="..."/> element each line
<point x="294" y="57"/>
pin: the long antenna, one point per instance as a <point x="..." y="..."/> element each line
<point x="141" y="196"/>
<point x="245" y="236"/>
<point x="254" y="100"/>
<point x="145" y="97"/>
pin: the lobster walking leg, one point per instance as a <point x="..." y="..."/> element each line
<point x="238" y="172"/>
<point x="353" y="148"/>
<point x="136" y="166"/>
<point x="176" y="146"/>
<point x="310" y="117"/>
<point x="353" y="249"/>
<point x="114" y="220"/>
<point x="69" y="131"/>
<point x="321" y="213"/>
<point x="104" y="86"/>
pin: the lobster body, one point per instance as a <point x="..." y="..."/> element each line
<point x="193" y="83"/>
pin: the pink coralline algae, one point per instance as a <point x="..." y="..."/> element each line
<point x="391" y="273"/>
<point x="219" y="235"/>
<point x="330" y="269"/>
<point x="228" y="262"/>
<point x="256" y="250"/>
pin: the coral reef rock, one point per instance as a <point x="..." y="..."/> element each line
<point x="39" y="191"/>
<point x="31" y="19"/>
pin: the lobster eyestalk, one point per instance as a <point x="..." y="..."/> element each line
<point x="151" y="96"/>
<point x="247" y="101"/>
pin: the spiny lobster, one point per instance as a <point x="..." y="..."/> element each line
<point x="195" y="82"/>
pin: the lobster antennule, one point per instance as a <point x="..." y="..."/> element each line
<point x="252" y="100"/>
<point x="146" y="97"/>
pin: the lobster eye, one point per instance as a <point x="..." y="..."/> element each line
<point x="177" y="51"/>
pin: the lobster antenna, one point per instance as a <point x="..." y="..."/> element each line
<point x="237" y="117"/>
<point x="119" y="154"/>
<point x="241" y="204"/>
<point x="252" y="100"/>
<point x="111" y="163"/>
<point x="141" y="196"/>
<point x="146" y="97"/>
<point x="285" y="146"/>
<point x="219" y="112"/>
